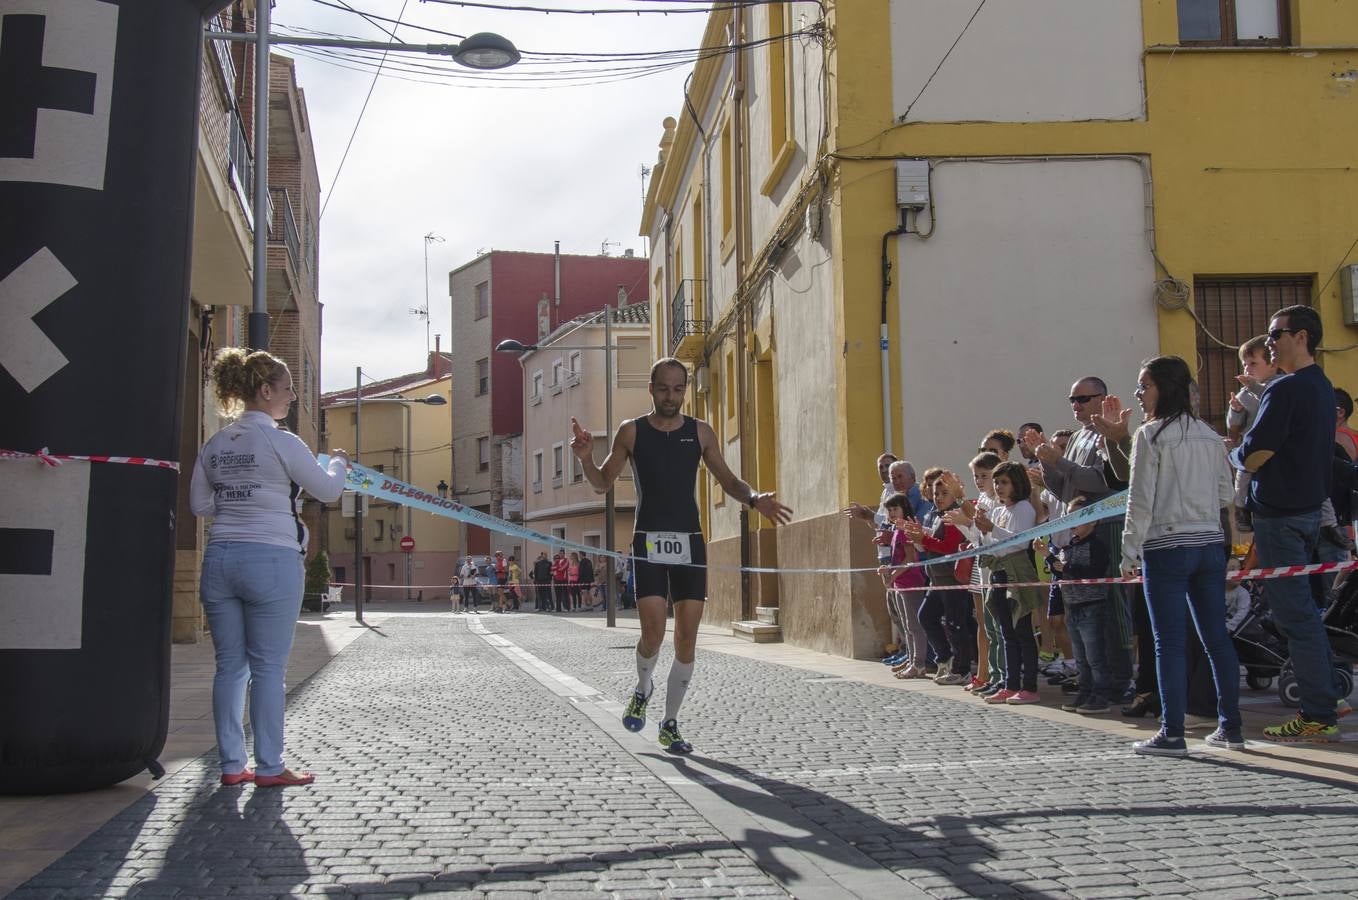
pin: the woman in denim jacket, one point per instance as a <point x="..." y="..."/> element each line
<point x="1180" y="484"/>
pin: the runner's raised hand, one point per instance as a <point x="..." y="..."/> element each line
<point x="582" y="441"/>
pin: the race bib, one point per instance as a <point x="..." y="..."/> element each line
<point x="669" y="547"/>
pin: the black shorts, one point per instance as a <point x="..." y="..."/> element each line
<point x="674" y="582"/>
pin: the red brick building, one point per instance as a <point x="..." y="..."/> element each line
<point x="504" y="295"/>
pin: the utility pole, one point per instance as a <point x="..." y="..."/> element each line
<point x="358" y="498"/>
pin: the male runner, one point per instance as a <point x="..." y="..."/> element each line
<point x="671" y="555"/>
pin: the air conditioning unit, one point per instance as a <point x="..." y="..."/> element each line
<point x="1348" y="293"/>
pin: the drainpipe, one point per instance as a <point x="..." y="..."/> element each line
<point x="886" y="341"/>
<point x="742" y="367"/>
<point x="556" y="282"/>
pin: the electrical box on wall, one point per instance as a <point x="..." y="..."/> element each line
<point x="912" y="183"/>
<point x="1348" y="293"/>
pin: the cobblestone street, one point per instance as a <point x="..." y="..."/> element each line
<point x="482" y="757"/>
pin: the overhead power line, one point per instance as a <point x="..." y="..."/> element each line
<point x="359" y="121"/>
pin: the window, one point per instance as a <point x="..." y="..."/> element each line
<point x="537" y="471"/>
<point x="1235" y="310"/>
<point x="558" y="455"/>
<point x="1230" y="23"/>
<point x="483" y="454"/>
<point x="537" y="384"/>
<point x="574" y="377"/>
<point x="781" y="139"/>
<point x="728" y="191"/>
<point x="306" y="382"/>
<point x="559" y="532"/>
<point x="483" y="376"/>
<point x="483" y="299"/>
<point x="577" y="470"/>
<point x="732" y="423"/>
<point x="558" y="380"/>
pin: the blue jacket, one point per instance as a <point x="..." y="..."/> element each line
<point x="1296" y="424"/>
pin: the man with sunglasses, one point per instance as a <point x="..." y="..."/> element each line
<point x="1084" y="470"/>
<point x="1288" y="451"/>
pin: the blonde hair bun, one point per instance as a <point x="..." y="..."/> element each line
<point x="238" y="375"/>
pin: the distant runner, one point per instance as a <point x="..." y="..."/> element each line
<point x="664" y="448"/>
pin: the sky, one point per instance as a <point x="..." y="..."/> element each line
<point x="479" y="164"/>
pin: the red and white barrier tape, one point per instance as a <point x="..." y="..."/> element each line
<point x="56" y="459"/>
<point x="1244" y="575"/>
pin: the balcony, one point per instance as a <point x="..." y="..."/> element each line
<point x="242" y="167"/>
<point x="285" y="223"/>
<point x="688" y="320"/>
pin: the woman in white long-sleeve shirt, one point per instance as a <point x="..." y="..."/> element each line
<point x="248" y="478"/>
<point x="1180" y="483"/>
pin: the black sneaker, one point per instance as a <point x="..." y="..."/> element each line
<point x="634" y="717"/>
<point x="670" y="740"/>
<point x="1226" y="740"/>
<point x="1161" y="745"/>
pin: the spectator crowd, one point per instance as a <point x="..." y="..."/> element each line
<point x="997" y="621"/>
<point x="564" y="582"/>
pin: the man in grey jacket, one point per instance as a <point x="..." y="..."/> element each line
<point x="1084" y="470"/>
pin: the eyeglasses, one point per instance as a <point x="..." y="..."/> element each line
<point x="1279" y="332"/>
<point x="1082" y="398"/>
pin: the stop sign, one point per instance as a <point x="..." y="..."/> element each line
<point x="407" y="544"/>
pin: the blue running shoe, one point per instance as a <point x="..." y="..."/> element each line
<point x="670" y="740"/>
<point x="634" y="718"/>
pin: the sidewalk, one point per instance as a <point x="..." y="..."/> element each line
<point x="35" y="831"/>
<point x="475" y="755"/>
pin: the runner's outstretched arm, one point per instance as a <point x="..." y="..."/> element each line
<point x="582" y="445"/>
<point x="766" y="504"/>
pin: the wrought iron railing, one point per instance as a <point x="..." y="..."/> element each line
<point x="292" y="239"/>
<point x="687" y="316"/>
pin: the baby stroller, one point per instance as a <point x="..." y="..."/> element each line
<point x="1261" y="650"/>
<point x="1341" y="626"/>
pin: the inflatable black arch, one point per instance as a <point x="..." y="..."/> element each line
<point x="98" y="143"/>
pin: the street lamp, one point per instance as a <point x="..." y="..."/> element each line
<point x="513" y="346"/>
<point x="483" y="50"/>
<point x="431" y="400"/>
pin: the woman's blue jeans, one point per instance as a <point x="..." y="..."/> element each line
<point x="252" y="594"/>
<point x="1196" y="575"/>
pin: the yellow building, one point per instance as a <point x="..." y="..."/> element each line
<point x="905" y="223"/>
<point x="409" y="441"/>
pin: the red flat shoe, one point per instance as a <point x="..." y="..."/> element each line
<point x="284" y="779"/>
<point x="238" y="778"/>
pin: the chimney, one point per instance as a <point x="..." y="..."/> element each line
<point x="622" y="296"/>
<point x="439" y="365"/>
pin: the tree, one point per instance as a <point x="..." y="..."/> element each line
<point x="317" y="583"/>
